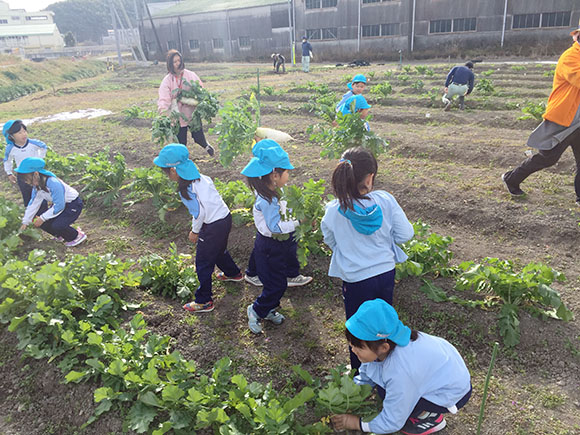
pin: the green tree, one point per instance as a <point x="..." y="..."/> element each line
<point x="69" y="39"/>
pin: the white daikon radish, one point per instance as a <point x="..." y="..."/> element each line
<point x="270" y="133"/>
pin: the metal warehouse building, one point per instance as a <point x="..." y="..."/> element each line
<point x="347" y="29"/>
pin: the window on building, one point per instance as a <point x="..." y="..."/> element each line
<point x="171" y="45"/>
<point x="218" y="43"/>
<point x="245" y="41"/>
<point x="3" y="21"/>
<point x="330" y="33"/>
<point x="371" y="1"/>
<point x="329" y="3"/>
<point x="440" y="26"/>
<point x="312" y="4"/>
<point x="151" y="46"/>
<point x="390" y="29"/>
<point x="36" y="18"/>
<point x="15" y="18"/>
<point x="464" y="24"/>
<point x="194" y="44"/>
<point x="525" y="21"/>
<point x="372" y="30"/>
<point x="313" y="34"/>
<point x="556" y="19"/>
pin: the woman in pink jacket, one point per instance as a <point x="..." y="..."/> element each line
<point x="175" y="78"/>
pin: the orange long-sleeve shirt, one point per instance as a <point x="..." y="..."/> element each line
<point x="565" y="97"/>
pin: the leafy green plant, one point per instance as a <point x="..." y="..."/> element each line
<point x="407" y="68"/>
<point x="485" y="86"/>
<point x="136" y="112"/>
<point x="533" y="111"/>
<point x="518" y="67"/>
<point x="433" y="95"/>
<point x="370" y="75"/>
<point x="306" y="205"/>
<point x="549" y="73"/>
<point x="528" y="289"/>
<point x="236" y="129"/>
<point x="70" y="166"/>
<point x="428" y="253"/>
<point x="239" y="199"/>
<point x="169" y="277"/>
<point x="488" y="72"/>
<point x="342" y="396"/>
<point x="104" y="179"/>
<point x="10" y="235"/>
<point x="153" y="183"/>
<point x="165" y="129"/>
<point x="388" y="74"/>
<point x="382" y="89"/>
<point x="403" y="78"/>
<point x="424" y="70"/>
<point x="206" y="103"/>
<point x="418" y="85"/>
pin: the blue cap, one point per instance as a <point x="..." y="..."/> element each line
<point x="33" y="164"/>
<point x="268" y="155"/>
<point x="176" y="155"/>
<point x="359" y="78"/>
<point x="377" y="320"/>
<point x="360" y="103"/>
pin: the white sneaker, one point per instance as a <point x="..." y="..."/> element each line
<point x="299" y="280"/>
<point x="253" y="320"/>
<point x="254" y="280"/>
<point x="81" y="237"/>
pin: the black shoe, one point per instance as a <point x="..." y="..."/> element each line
<point x="513" y="190"/>
<point x="209" y="149"/>
<point x="578" y="202"/>
<point x="423" y="426"/>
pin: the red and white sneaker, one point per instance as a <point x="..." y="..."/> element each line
<point x="431" y="423"/>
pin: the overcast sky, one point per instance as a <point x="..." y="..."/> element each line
<point x="30" y="5"/>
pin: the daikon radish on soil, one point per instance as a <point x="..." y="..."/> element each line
<point x="270" y="133"/>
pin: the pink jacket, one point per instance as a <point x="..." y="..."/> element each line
<point x="166" y="94"/>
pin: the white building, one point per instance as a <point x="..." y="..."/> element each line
<point x="28" y="30"/>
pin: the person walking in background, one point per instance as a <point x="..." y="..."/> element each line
<point x="560" y="128"/>
<point x="66" y="203"/>
<point x="279" y="61"/>
<point x="169" y="90"/>
<point x="306" y="54"/>
<point x="459" y="82"/>
<point x="18" y="147"/>
<point x="362" y="228"/>
<point x="424" y="376"/>
<point x="210" y="226"/>
<point x="275" y="247"/>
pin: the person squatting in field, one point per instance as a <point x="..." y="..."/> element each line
<point x="459" y="82"/>
<point x="279" y="61"/>
<point x="47" y="188"/>
<point x="560" y="128"/>
<point x="169" y="90"/>
<point x="275" y="247"/>
<point x="424" y="376"/>
<point x="293" y="279"/>
<point x="362" y="228"/>
<point x="210" y="227"/>
<point x="18" y="147"/>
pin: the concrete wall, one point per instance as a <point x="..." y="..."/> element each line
<point x="267" y="28"/>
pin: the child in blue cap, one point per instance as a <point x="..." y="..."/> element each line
<point x="66" y="202"/>
<point x="275" y="248"/>
<point x="356" y="87"/>
<point x="211" y="223"/>
<point x="362" y="227"/>
<point x="424" y="376"/>
<point x="18" y="147"/>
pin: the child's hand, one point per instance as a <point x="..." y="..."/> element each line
<point x="345" y="422"/>
<point x="23" y="227"/>
<point x="12" y="178"/>
<point x="38" y="221"/>
<point x="193" y="237"/>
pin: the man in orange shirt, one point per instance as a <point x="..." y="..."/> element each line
<point x="560" y="128"/>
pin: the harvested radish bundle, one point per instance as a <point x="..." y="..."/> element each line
<point x="205" y="103"/>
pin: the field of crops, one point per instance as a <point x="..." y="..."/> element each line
<point x="116" y="349"/>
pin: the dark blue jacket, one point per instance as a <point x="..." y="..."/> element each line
<point x="306" y="48"/>
<point x="460" y="75"/>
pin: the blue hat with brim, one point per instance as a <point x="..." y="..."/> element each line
<point x="176" y="155"/>
<point x="33" y="164"/>
<point x="359" y="78"/>
<point x="377" y="320"/>
<point x="267" y="157"/>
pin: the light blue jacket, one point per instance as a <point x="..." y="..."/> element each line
<point x="429" y="368"/>
<point x="345" y="97"/>
<point x="357" y="256"/>
<point x="270" y="217"/>
<point x="59" y="194"/>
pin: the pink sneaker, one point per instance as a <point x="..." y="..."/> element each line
<point x="81" y="237"/>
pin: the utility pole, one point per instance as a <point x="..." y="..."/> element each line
<point x="136" y="38"/>
<point x="116" y="30"/>
<point x="159" y="48"/>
